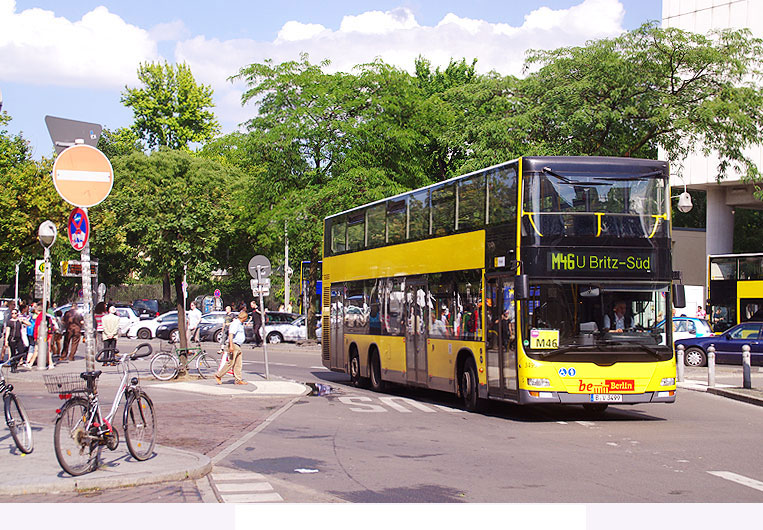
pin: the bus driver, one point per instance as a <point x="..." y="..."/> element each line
<point x="616" y="320"/>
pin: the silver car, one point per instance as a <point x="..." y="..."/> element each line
<point x="286" y="331"/>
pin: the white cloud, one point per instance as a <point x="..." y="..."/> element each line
<point x="396" y="37"/>
<point x="293" y="31"/>
<point x="98" y="51"/>
<point x="102" y="51"/>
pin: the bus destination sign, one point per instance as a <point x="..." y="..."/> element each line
<point x="588" y="262"/>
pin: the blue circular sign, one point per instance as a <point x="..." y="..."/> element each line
<point x="78" y="228"/>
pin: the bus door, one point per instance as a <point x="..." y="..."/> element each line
<point x="337" y="326"/>
<point x="501" y="336"/>
<point x="415" y="331"/>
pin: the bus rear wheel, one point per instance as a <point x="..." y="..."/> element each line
<point x="376" y="381"/>
<point x="468" y="386"/>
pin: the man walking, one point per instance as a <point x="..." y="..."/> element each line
<point x="75" y="322"/>
<point x="236" y="337"/>
<point x="256" y="323"/>
<point x="110" y="333"/>
<point x="194" y="318"/>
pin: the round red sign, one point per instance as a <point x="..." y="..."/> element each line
<point x="79" y="228"/>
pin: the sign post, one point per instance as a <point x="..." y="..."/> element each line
<point x="83" y="177"/>
<point x="259" y="269"/>
<point x="47" y="236"/>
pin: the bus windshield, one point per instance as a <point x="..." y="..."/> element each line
<point x="636" y="195"/>
<point x="579" y="317"/>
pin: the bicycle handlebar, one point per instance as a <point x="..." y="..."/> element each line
<point x="136" y="355"/>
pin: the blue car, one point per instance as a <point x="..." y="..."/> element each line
<point x="728" y="345"/>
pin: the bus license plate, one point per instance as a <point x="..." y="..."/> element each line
<point x="610" y="398"/>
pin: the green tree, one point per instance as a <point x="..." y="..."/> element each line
<point x="170" y="109"/>
<point x="173" y="212"/>
<point x="120" y="142"/>
<point x="647" y="89"/>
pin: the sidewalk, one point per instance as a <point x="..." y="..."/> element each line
<point x="39" y="472"/>
<point x="731" y="388"/>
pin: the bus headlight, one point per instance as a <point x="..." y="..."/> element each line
<point x="668" y="381"/>
<point x="538" y="382"/>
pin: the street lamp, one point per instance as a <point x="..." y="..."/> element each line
<point x="46" y="234"/>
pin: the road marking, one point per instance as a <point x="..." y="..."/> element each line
<point x="361" y="407"/>
<point x="739" y="479"/>
<point x="391" y="402"/>
<point x="396" y="403"/>
<point x="318" y="368"/>
<point x="586" y="423"/>
<point x="242" y="486"/>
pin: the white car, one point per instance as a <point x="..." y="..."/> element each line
<point x="146" y="329"/>
<point x="286" y="331"/>
<point x="127" y="317"/>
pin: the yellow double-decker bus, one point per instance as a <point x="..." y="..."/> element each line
<point x="537" y="281"/>
<point x="735" y="289"/>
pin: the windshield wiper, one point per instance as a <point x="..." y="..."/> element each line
<point x="564" y="179"/>
<point x="635" y="177"/>
<point x="561" y="351"/>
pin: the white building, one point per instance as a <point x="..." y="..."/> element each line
<point x="699" y="172"/>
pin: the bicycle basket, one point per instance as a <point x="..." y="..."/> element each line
<point x="64" y="383"/>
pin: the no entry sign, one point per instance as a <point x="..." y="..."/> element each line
<point x="83" y="176"/>
<point x="78" y="228"/>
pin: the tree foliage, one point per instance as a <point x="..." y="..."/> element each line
<point x="170" y="109"/>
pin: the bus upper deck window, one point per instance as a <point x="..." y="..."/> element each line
<point x="338" y="236"/>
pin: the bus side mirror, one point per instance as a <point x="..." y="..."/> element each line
<point x="521" y="287"/>
<point x="679" y="295"/>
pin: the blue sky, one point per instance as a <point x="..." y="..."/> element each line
<point x="73" y="59"/>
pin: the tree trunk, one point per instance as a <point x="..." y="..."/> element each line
<point x="166" y="294"/>
<point x="312" y="293"/>
<point x="182" y="328"/>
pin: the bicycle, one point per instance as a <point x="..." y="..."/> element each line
<point x="165" y="365"/>
<point x="81" y="430"/>
<point x="15" y="416"/>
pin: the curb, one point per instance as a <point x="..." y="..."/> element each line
<point x="199" y="468"/>
<point x="738" y="395"/>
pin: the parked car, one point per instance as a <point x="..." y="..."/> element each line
<point x="728" y="345"/>
<point x="686" y="328"/>
<point x="127" y="317"/>
<point x="276" y="330"/>
<point x="146" y="329"/>
<point x="146" y="308"/>
<point x="211" y="326"/>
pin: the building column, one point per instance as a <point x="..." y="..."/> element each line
<point x="719" y="237"/>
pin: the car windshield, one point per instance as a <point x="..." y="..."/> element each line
<point x="168" y="317"/>
<point x="562" y="317"/>
<point x="212" y="319"/>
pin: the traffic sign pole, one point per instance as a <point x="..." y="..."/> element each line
<point x="262" y="312"/>
<point x="87" y="294"/>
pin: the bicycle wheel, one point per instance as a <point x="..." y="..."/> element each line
<point x="73" y="446"/>
<point x="205" y="365"/>
<point x="140" y="426"/>
<point x="18" y="423"/>
<point x="164" y="366"/>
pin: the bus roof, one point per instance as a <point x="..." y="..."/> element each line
<point x="536" y="163"/>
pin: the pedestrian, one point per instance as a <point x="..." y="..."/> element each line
<point x="65" y="330"/>
<point x="193" y="318"/>
<point x="75" y="322"/>
<point x="49" y="339"/>
<point x="13" y="341"/>
<point x="229" y="316"/>
<point x="31" y="319"/>
<point x="110" y="334"/>
<point x="236" y="337"/>
<point x="256" y="323"/>
<point x="57" y="335"/>
<point x="100" y="311"/>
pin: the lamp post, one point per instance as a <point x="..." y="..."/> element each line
<point x="47" y="236"/>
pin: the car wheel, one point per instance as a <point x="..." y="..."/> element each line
<point x="275" y="338"/>
<point x="695" y="357"/>
<point x="218" y="336"/>
<point x="175" y="336"/>
<point x="144" y="334"/>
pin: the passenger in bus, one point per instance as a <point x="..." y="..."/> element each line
<point x="616" y="321"/>
<point x="440" y="325"/>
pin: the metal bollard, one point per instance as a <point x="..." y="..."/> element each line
<point x="680" y="362"/>
<point x="746" y="381"/>
<point x="711" y="366"/>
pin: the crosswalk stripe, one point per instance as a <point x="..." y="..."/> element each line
<point x="237" y="476"/>
<point x="253" y="497"/>
<point x="241" y="487"/>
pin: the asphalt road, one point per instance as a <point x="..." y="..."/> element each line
<point x="355" y="445"/>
